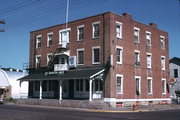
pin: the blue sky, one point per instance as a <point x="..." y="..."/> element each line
<point x="23" y="16"/>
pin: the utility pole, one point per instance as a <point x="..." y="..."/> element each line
<point x="2" y="22"/>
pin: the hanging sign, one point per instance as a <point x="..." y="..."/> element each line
<point x="72" y="61"/>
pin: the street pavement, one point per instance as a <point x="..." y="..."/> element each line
<point x="25" y="112"/>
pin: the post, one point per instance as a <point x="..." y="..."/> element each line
<point x="20" y="89"/>
<point x="90" y="90"/>
<point x="40" y="90"/>
<point x="60" y="90"/>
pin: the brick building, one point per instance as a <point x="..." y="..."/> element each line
<point x="106" y="56"/>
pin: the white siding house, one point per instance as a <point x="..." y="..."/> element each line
<point x="174" y="65"/>
<point x="10" y="85"/>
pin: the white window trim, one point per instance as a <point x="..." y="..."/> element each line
<point x="95" y="47"/>
<point x="139" y="77"/>
<point x="163" y="68"/>
<point x="139" y="58"/>
<point x="151" y="60"/>
<point x="120" y="24"/>
<point x="36" y="60"/>
<point x="37" y="41"/>
<point x="119" y="75"/>
<point x="147" y="32"/>
<point x="162" y="37"/>
<point x="98" y="22"/>
<point x="164" y="79"/>
<point x="120" y="54"/>
<point x="150" y="78"/>
<point x="80" y="26"/>
<point x="63" y="30"/>
<point x="135" y="28"/>
<point x="48" y="57"/>
<point x="51" y="33"/>
<point x="81" y="49"/>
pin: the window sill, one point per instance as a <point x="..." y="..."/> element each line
<point x="119" y="38"/>
<point x="119" y="63"/>
<point x="119" y="93"/>
<point x="94" y="38"/>
<point x="80" y="40"/>
<point x="96" y="63"/>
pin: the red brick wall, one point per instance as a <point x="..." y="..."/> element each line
<point x="108" y="43"/>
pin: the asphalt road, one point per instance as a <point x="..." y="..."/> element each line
<point x="14" y="112"/>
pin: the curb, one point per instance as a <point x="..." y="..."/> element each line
<point x="111" y="111"/>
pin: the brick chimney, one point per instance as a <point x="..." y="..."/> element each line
<point x="127" y="15"/>
<point x="153" y="25"/>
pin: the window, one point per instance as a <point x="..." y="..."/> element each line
<point x="80" y="56"/>
<point x="80" y="33"/>
<point x="49" y="58"/>
<point x="64" y="36"/>
<point x="118" y="29"/>
<point x="50" y="85"/>
<point x="119" y="84"/>
<point x="119" y="55"/>
<point x="136" y="35"/>
<point x="49" y="39"/>
<point x="175" y="73"/>
<point x="163" y="67"/>
<point x="163" y="86"/>
<point x="96" y="29"/>
<point x="96" y="55"/>
<point x="44" y="85"/>
<point x="149" y="85"/>
<point x="148" y="60"/>
<point x="138" y="85"/>
<point x="137" y="58"/>
<point x="38" y="41"/>
<point x="148" y="38"/>
<point x="36" y="85"/>
<point x="38" y="61"/>
<point x="79" y="85"/>
<point x="162" y="38"/>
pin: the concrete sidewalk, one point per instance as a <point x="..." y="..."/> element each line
<point x="123" y="109"/>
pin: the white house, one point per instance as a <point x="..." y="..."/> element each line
<point x="174" y="65"/>
<point x="9" y="86"/>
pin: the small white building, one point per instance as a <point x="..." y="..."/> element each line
<point x="174" y="65"/>
<point x="10" y="87"/>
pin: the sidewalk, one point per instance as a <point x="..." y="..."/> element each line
<point x="123" y="109"/>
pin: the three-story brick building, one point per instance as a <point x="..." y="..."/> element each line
<point x="107" y="56"/>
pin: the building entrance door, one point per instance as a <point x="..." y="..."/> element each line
<point x="71" y="88"/>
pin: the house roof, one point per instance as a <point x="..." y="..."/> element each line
<point x="71" y="74"/>
<point x="175" y="60"/>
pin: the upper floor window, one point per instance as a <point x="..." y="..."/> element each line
<point x="163" y="67"/>
<point x="38" y="61"/>
<point x="49" y="58"/>
<point x="175" y="73"/>
<point x="118" y="29"/>
<point x="148" y="38"/>
<point x="119" y="84"/>
<point x="80" y="33"/>
<point x="64" y="36"/>
<point x="119" y="55"/>
<point x="138" y="84"/>
<point x="96" y="55"/>
<point x="49" y="39"/>
<point x="137" y="58"/>
<point x="38" y="41"/>
<point x="80" y="56"/>
<point x="162" y="38"/>
<point x="148" y="60"/>
<point x="96" y="29"/>
<point x="136" y="35"/>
